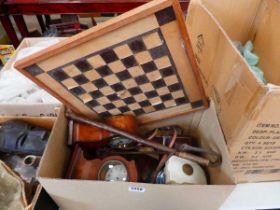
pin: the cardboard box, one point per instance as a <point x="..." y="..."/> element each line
<point x="45" y="122"/>
<point x="262" y="195"/>
<point x="6" y="51"/>
<point x="222" y="197"/>
<point x="248" y="110"/>
<point x="32" y="109"/>
<point x="87" y="194"/>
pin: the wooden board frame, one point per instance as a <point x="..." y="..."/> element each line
<point x="101" y="31"/>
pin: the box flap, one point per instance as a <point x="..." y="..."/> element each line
<point x="228" y="13"/>
<point x="227" y="77"/>
<point x="138" y="63"/>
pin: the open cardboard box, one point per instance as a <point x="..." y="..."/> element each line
<point x="31" y="109"/>
<point x="44" y="122"/>
<point x="247" y="109"/>
<point x="88" y="194"/>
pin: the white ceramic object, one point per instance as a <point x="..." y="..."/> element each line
<point x="181" y="171"/>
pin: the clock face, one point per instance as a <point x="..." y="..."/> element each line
<point x="113" y="170"/>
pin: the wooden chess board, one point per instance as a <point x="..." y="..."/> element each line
<point x="134" y="64"/>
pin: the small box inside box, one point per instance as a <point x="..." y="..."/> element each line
<point x="43" y="122"/>
<point x="88" y="194"/>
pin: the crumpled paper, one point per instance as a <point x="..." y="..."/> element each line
<point x="252" y="59"/>
<point x="12" y="195"/>
<point x="15" y="88"/>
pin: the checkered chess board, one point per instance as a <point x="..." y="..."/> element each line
<point x="134" y="76"/>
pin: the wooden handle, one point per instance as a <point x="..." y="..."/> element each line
<point x="188" y="156"/>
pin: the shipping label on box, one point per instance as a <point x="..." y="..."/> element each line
<point x="256" y="152"/>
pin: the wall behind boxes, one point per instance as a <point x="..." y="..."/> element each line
<point x="247" y="109"/>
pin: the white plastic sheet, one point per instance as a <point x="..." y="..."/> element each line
<point x="15" y="88"/>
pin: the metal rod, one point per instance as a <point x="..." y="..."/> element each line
<point x="185" y="155"/>
<point x="105" y="152"/>
<point x="164" y="158"/>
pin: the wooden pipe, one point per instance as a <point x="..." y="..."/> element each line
<point x="86" y="133"/>
<point x="185" y="155"/>
<point x="91" y="135"/>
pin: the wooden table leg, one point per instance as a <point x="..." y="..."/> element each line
<point x="48" y="20"/>
<point x="8" y="26"/>
<point x="21" y="25"/>
<point x="41" y="23"/>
